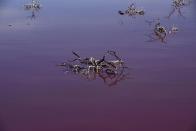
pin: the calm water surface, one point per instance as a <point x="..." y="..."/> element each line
<point x="35" y="95"/>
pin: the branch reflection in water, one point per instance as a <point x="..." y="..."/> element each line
<point x="110" y="71"/>
<point x="34" y="7"/>
<point x="177" y="5"/>
<point x="160" y="32"/>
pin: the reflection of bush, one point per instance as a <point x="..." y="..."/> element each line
<point x="111" y="71"/>
<point x="160" y="32"/>
<point x="33" y="7"/>
<point x="177" y="5"/>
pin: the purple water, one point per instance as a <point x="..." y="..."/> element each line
<point x="35" y="95"/>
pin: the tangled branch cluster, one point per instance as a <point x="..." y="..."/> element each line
<point x="132" y="11"/>
<point x="161" y="33"/>
<point x="111" y="71"/>
<point x="35" y="4"/>
<point x="177" y="5"/>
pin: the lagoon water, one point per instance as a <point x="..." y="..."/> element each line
<point x="35" y="95"/>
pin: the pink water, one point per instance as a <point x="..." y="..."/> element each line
<point x="35" y="95"/>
